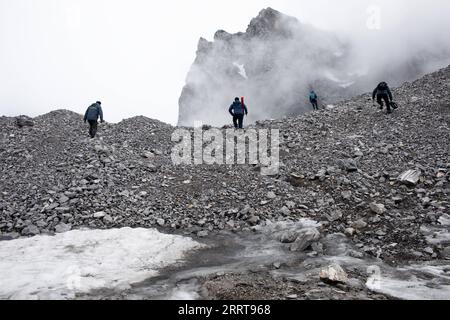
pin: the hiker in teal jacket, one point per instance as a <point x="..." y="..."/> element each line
<point x="313" y="99"/>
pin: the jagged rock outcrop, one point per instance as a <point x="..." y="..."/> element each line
<point x="274" y="64"/>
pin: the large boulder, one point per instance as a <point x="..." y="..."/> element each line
<point x="333" y="274"/>
<point x="305" y="238"/>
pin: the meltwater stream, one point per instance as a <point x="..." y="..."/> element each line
<point x="146" y="264"/>
<point x="261" y="250"/>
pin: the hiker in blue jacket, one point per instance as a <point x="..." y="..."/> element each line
<point x="237" y="111"/>
<point x="93" y="113"/>
<point x="313" y="99"/>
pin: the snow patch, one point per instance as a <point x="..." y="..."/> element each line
<point x="359" y="73"/>
<point x="347" y="84"/>
<point x="416" y="283"/>
<point x="342" y="83"/>
<point x="241" y="68"/>
<point x="436" y="235"/>
<point x="444" y="220"/>
<point x="184" y="291"/>
<point x="332" y="77"/>
<point x="64" y="265"/>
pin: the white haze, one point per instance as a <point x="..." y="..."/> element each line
<point x="134" y="55"/>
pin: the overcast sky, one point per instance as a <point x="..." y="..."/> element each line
<point x="134" y="55"/>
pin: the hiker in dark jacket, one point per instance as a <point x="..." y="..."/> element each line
<point x="383" y="93"/>
<point x="313" y="99"/>
<point x="93" y="113"/>
<point x="237" y="111"/>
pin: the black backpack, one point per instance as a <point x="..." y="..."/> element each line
<point x="382" y="86"/>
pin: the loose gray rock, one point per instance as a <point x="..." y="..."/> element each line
<point x="444" y="220"/>
<point x="333" y="274"/>
<point x="290" y="205"/>
<point x="254" y="220"/>
<point x="305" y="239"/>
<point x="285" y="211"/>
<point x="30" y="230"/>
<point x="271" y="195"/>
<point x="108" y="219"/>
<point x="202" y="234"/>
<point x="334" y="216"/>
<point x="347" y="195"/>
<point x="148" y="155"/>
<point x="99" y="214"/>
<point x="446" y="253"/>
<point x="410" y="177"/>
<point x="62" y="228"/>
<point x="377" y="208"/>
<point x="348" y="165"/>
<point x="350" y="232"/>
<point x="288" y="237"/>
<point x="359" y="225"/>
<point x="63" y="209"/>
<point x="63" y="199"/>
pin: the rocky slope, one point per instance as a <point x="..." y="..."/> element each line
<point x="340" y="167"/>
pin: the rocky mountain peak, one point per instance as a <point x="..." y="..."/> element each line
<point x="222" y="35"/>
<point x="274" y="50"/>
<point x="270" y="22"/>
